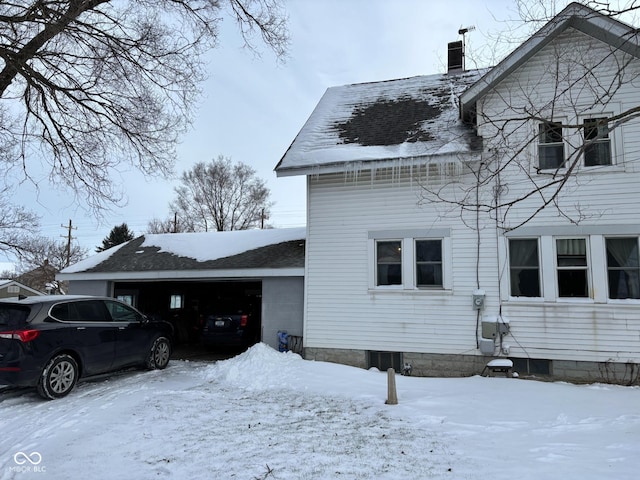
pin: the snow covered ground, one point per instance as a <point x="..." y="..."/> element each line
<point x="271" y="415"/>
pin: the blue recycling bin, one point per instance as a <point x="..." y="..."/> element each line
<point x="283" y="341"/>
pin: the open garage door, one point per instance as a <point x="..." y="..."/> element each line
<point x="188" y="305"/>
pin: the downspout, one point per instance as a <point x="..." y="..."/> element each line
<point x="478" y="251"/>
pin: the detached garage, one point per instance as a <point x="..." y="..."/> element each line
<point x="183" y="277"/>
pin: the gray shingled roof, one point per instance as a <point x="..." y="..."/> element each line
<point x="396" y="120"/>
<point x="133" y="257"/>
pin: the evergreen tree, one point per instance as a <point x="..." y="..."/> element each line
<point x="118" y="234"/>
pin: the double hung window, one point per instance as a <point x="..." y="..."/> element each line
<point x="389" y="262"/>
<point x="623" y="267"/>
<point x="412" y="260"/>
<point x="597" y="150"/>
<point x="428" y="263"/>
<point x="524" y="267"/>
<point x="573" y="268"/>
<point x="550" y="146"/>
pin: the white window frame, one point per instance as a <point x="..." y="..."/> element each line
<point x="606" y="267"/>
<point x="597" y="272"/>
<point x="415" y="263"/>
<point x="587" y="268"/>
<point x="408" y="238"/>
<point x="609" y="140"/>
<point x="402" y="262"/>
<point x="540" y="268"/>
<point x="563" y="122"/>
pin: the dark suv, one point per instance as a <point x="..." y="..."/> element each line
<point x="49" y="342"/>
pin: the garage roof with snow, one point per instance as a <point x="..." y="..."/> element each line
<point x="372" y="123"/>
<point x="273" y="249"/>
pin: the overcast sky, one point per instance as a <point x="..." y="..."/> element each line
<point x="252" y="108"/>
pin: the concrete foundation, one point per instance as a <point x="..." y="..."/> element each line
<point x="438" y="365"/>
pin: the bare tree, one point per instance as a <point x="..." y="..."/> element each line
<point x="17" y="225"/>
<point x="87" y="85"/>
<point x="570" y="100"/>
<point x="41" y="258"/>
<point x="174" y="224"/>
<point x="222" y="196"/>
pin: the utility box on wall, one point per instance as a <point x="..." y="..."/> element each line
<point x="489" y="329"/>
<point x="494" y="328"/>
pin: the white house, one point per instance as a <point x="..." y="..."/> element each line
<point x="459" y="217"/>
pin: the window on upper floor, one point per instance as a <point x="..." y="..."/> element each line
<point x="623" y="267"/>
<point x="524" y="267"/>
<point x="597" y="149"/>
<point x="428" y="255"/>
<point x="550" y="146"/>
<point x="573" y="267"/>
<point x="389" y="262"/>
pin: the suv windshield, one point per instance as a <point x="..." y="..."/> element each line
<point x="12" y="316"/>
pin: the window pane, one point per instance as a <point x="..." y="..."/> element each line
<point x="572" y="283"/>
<point x="428" y="251"/>
<point x="176" y="302"/>
<point x="596" y="130"/>
<point x="429" y="275"/>
<point x="121" y="313"/>
<point x="572" y="267"/>
<point x="524" y="268"/>
<point x="89" y="311"/>
<point x="598" y="153"/>
<point x="623" y="267"/>
<point x="128" y="299"/>
<point x="389" y="262"/>
<point x="551" y="156"/>
<point x="429" y="263"/>
<point x="61" y="312"/>
<point x="551" y="146"/>
<point x="551" y="132"/>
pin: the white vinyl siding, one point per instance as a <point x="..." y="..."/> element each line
<point x="345" y="309"/>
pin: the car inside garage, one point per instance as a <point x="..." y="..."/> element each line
<point x="187" y="305"/>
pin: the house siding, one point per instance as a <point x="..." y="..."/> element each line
<point x="344" y="312"/>
<point x="596" y="203"/>
<point x="282" y="308"/>
<point x="592" y="339"/>
<point x="91" y="287"/>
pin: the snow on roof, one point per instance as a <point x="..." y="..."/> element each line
<point x="92" y="261"/>
<point x="201" y="246"/>
<point x="395" y="119"/>
<point x="213" y="245"/>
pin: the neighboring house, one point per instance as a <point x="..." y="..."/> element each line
<point x="13" y="288"/>
<point x="182" y="276"/>
<point x="43" y="279"/>
<point x="408" y="257"/>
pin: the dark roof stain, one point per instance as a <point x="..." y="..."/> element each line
<point x="389" y="122"/>
<point x="132" y="257"/>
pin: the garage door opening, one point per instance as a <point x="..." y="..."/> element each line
<point x="191" y="307"/>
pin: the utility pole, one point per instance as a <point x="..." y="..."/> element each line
<point x="69" y="238"/>
<point x="263" y="217"/>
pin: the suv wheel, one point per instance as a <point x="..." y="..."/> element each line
<point x="58" y="377"/>
<point x="159" y="354"/>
